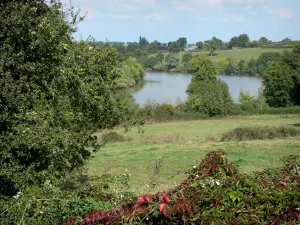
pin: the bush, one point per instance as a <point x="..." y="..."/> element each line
<point x="252" y="133"/>
<point x="113" y="137"/>
<point x="209" y="98"/>
<point x="214" y="193"/>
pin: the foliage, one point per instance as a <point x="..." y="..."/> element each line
<point x="200" y="45"/>
<point x="51" y="204"/>
<point x="174" y="47"/>
<point x="143" y="41"/>
<point x="211" y="98"/>
<point x="153" y="47"/>
<point x="172" y="61"/>
<point x="112" y="137"/>
<point x="53" y="91"/>
<point x="252" y="133"/>
<point x="215" y="193"/>
<point x="278" y="85"/>
<point x="212" y="45"/>
<point x="202" y="68"/>
<point x="241" y="41"/>
<point x="252" y="67"/>
<point x="130" y="73"/>
<point x="182" y="42"/>
<point x="264" y="61"/>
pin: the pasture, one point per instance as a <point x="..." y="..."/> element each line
<point x="184" y="144"/>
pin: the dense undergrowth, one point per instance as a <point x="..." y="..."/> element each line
<point x="213" y="193"/>
<point x="165" y="112"/>
<point x="260" y="133"/>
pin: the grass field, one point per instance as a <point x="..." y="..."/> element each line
<point x="194" y="142"/>
<point x="237" y="54"/>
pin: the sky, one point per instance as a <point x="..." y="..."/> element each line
<point x="198" y="20"/>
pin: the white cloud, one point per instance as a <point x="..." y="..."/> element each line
<point x="283" y="13"/>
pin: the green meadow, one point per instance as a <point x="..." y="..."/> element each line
<point x="183" y="144"/>
<point x="237" y="54"/>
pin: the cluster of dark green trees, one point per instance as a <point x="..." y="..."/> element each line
<point x="252" y="67"/>
<point x="282" y="80"/>
<point x="54" y="92"/>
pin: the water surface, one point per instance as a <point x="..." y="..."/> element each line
<point x="171" y="87"/>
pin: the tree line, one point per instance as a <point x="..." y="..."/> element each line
<point x="144" y="47"/>
<point x="228" y="66"/>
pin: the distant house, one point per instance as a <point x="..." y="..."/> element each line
<point x="191" y="48"/>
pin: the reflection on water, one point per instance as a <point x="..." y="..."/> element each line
<point x="171" y="87"/>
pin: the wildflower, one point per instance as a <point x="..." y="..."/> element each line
<point x="194" y="167"/>
<point x="125" y="170"/>
<point x="129" y="174"/>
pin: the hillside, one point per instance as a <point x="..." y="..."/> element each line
<point x="237" y="54"/>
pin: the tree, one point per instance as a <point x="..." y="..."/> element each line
<point x="286" y="40"/>
<point x="206" y="94"/>
<point x="278" y="85"/>
<point x="265" y="59"/>
<point x="242" y="67"/>
<point x="202" y="68"/>
<point x="282" y="82"/>
<point x="182" y="42"/>
<point x="211" y="98"/>
<point x="199" y="45"/>
<point x="263" y="41"/>
<point x="252" y="67"/>
<point x="153" y="47"/>
<point x="253" y="44"/>
<point x="186" y="58"/>
<point x="212" y="45"/>
<point x="143" y="41"/>
<point x="160" y="57"/>
<point x="174" y="47"/>
<point x="52" y="91"/>
<point x="132" y="47"/>
<point x="172" y="61"/>
<point x="241" y="41"/>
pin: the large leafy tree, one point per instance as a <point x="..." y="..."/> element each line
<point x="202" y="68"/>
<point x="242" y="41"/>
<point x="53" y="90"/>
<point x="212" y="45"/>
<point x="182" y="42"/>
<point x="282" y="82"/>
<point x="207" y="95"/>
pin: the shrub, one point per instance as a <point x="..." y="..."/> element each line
<point x="252" y="133"/>
<point x="113" y="137"/>
<point x="214" y="193"/>
<point x="210" y="98"/>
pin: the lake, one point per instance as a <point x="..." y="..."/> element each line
<point x="171" y="87"/>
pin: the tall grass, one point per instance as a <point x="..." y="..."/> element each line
<point x="260" y="133"/>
